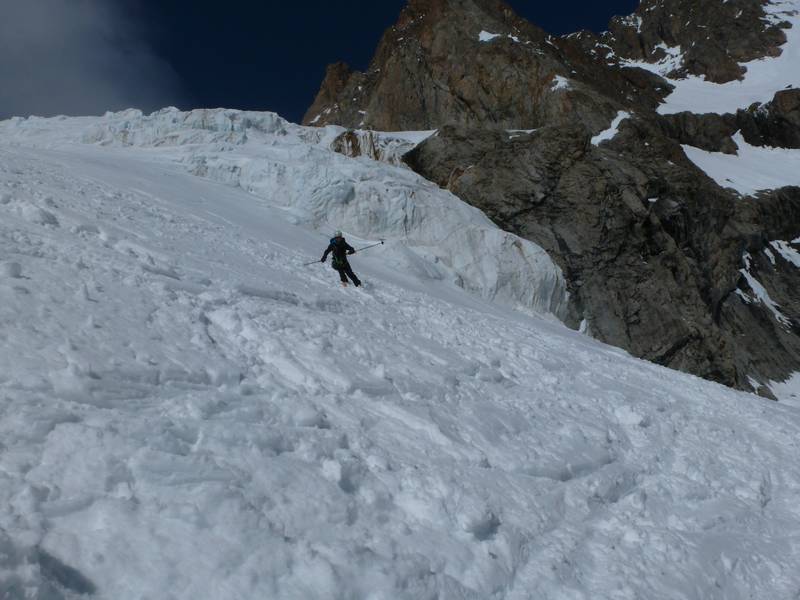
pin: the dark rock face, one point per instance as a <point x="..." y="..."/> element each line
<point x="651" y="249"/>
<point x="333" y="86"/>
<point x="432" y="68"/>
<point x="710" y="132"/>
<point x="776" y="124"/>
<point x="659" y="259"/>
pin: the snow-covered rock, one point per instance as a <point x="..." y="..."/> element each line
<point x="762" y="78"/>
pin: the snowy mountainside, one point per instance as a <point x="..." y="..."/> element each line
<point x="187" y="412"/>
<point x="650" y="223"/>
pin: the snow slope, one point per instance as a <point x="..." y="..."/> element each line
<point x="188" y="412"/>
<point x="751" y="169"/>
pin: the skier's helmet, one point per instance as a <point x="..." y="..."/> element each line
<point x="337" y="233"/>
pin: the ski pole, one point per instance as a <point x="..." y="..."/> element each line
<point x="368" y="247"/>
<point x="311" y="263"/>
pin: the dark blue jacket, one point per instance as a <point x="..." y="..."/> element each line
<point x="340" y="249"/>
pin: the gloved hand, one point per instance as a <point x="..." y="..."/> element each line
<point x="322" y="260"/>
<point x="351" y="251"/>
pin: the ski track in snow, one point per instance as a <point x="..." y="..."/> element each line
<point x="187" y="412"/>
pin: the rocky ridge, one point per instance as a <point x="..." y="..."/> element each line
<point x="660" y="259"/>
<point x="442" y="61"/>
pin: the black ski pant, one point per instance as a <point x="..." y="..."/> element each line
<point x="346" y="271"/>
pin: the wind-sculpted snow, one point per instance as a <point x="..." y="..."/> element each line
<point x="188" y="412"/>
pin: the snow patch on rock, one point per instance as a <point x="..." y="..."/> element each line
<point x="613" y="129"/>
<point x="751" y="169"/>
<point x="761" y="293"/>
<point x="485" y="36"/>
<point x="671" y="61"/>
<point x="788" y="253"/>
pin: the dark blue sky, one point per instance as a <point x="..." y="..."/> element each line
<point x="83" y="57"/>
<point x="253" y="54"/>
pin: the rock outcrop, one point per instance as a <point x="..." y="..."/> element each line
<point x="659" y="258"/>
<point x="775" y="124"/>
<point x="472" y="62"/>
<point x="652" y="249"/>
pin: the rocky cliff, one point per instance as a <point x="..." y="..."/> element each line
<point x="570" y="142"/>
<point x="472" y="62"/>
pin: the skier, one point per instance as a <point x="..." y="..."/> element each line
<point x="339" y="248"/>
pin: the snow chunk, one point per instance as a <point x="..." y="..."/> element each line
<point x="752" y="169"/>
<point x="787" y="392"/>
<point x="560" y="83"/>
<point x="515" y="133"/>
<point x="584" y="327"/>
<point x="612" y="131"/>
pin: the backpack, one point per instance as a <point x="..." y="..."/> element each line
<point x="336" y="262"/>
